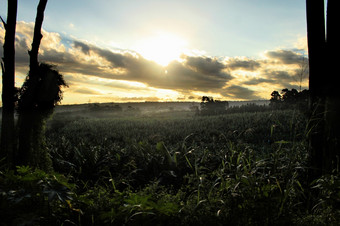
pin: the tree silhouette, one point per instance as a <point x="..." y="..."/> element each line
<point x="209" y="106"/>
<point x="290" y="99"/>
<point x="36" y="99"/>
<point x="275" y="99"/>
<point x="34" y="107"/>
<point x="8" y="90"/>
<point x="324" y="98"/>
<point x="38" y="96"/>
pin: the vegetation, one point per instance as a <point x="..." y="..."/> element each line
<point x="209" y="106"/>
<point x="172" y="168"/>
<point x="219" y="167"/>
<point x="290" y="99"/>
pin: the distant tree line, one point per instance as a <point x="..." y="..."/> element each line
<point x="250" y="107"/>
<point x="105" y="107"/>
<point x="286" y="99"/>
<point x="290" y="99"/>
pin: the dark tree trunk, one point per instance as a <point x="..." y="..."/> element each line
<point x="31" y="150"/>
<point x="33" y="53"/>
<point x="332" y="105"/>
<point x="8" y="143"/>
<point x="316" y="54"/>
<point x="324" y="97"/>
<point x="37" y="36"/>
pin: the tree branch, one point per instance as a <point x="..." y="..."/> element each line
<point x="5" y="25"/>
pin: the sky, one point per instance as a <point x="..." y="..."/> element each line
<point x="167" y="50"/>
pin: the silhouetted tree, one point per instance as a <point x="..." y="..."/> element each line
<point x="33" y="53"/>
<point x="38" y="96"/>
<point x="32" y="117"/>
<point x="324" y="98"/>
<point x="211" y="107"/>
<point x="290" y="96"/>
<point x="275" y="99"/>
<point x="290" y="99"/>
<point x="8" y="90"/>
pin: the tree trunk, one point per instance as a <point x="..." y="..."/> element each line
<point x="37" y="36"/>
<point x="332" y="106"/>
<point x="31" y="150"/>
<point x="33" y="53"/>
<point x="324" y="97"/>
<point x="8" y="144"/>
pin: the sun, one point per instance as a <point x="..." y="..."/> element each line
<point x="162" y="48"/>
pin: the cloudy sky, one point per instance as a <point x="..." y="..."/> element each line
<point x="167" y="50"/>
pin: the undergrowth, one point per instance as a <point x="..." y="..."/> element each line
<point x="238" y="169"/>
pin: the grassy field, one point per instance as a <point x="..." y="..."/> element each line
<point x="131" y="166"/>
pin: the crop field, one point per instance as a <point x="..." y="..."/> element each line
<point x="173" y="167"/>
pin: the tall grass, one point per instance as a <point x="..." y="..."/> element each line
<point x="235" y="169"/>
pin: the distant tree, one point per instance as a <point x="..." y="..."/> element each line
<point x="290" y="96"/>
<point x="275" y="99"/>
<point x="211" y="107"/>
<point x="8" y="143"/>
<point x="290" y="99"/>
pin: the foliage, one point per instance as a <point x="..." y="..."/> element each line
<point x="209" y="106"/>
<point x="248" y="108"/>
<point x="290" y="99"/>
<point x="37" y="99"/>
<point x="30" y="197"/>
<point x="44" y="92"/>
<point x="244" y="169"/>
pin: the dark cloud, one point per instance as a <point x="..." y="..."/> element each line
<point x="201" y="77"/>
<point x="84" y="90"/>
<point x="84" y="47"/>
<point x="240" y="92"/>
<point x="280" y="76"/>
<point x="205" y="65"/>
<point x="249" y="65"/>
<point x="116" y="59"/>
<point x="257" y="81"/>
<point x="286" y="56"/>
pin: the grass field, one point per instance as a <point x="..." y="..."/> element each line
<point x="133" y="166"/>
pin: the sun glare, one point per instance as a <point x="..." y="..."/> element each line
<point x="161" y="48"/>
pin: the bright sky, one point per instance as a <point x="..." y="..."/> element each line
<point x="133" y="50"/>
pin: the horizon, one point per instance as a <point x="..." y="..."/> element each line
<point x="174" y="101"/>
<point x="167" y="51"/>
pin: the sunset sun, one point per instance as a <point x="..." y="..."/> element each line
<point x="161" y="48"/>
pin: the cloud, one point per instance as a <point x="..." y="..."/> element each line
<point x="84" y="90"/>
<point x="245" y="64"/>
<point x="84" y="48"/>
<point x="194" y="73"/>
<point x="285" y="56"/>
<point x="239" y="92"/>
<point x="205" y="65"/>
<point x="257" y="81"/>
<point x="89" y="68"/>
<point x="139" y="99"/>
